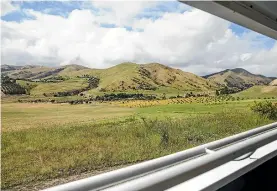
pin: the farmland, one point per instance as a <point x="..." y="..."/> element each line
<point x="44" y="141"/>
<point x="63" y="122"/>
<point x="258" y="92"/>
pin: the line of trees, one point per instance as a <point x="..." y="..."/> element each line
<point x="93" y="82"/>
<point x="9" y="86"/>
<point x="106" y="97"/>
<point x="225" y="90"/>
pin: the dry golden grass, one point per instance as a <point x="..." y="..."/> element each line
<point x="45" y="141"/>
<point x="34" y="155"/>
<point x="273" y="83"/>
<point x="259" y="92"/>
<point x="17" y="116"/>
<point x="268" y="89"/>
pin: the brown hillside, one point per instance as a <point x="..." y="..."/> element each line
<point x="273" y="83"/>
<point x="238" y="78"/>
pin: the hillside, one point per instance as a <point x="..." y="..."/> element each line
<point x="6" y="67"/>
<point x="39" y="72"/>
<point x="238" y="78"/>
<point x="26" y="72"/>
<point x="258" y="92"/>
<point x="273" y="83"/>
<point x="152" y="77"/>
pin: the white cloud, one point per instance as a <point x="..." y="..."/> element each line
<point x="6" y="7"/>
<point x="264" y="61"/>
<point x="120" y="13"/>
<point x="194" y="41"/>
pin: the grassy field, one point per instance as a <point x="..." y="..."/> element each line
<point x="40" y="88"/>
<point x="259" y="92"/>
<point x="45" y="141"/>
<point x="22" y="116"/>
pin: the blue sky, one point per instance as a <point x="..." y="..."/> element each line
<point x="64" y="8"/>
<point x="170" y="19"/>
<point x="49" y="7"/>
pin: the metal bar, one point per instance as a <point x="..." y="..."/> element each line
<point x="104" y="180"/>
<point x="228" y="172"/>
<point x="177" y="174"/>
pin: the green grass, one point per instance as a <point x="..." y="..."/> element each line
<point x="29" y="98"/>
<point x="28" y="85"/>
<point x="182" y="110"/>
<point x="45" y="141"/>
<point x="258" y="92"/>
<point x="67" y="85"/>
<point x="31" y="84"/>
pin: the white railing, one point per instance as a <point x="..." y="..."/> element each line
<point x="168" y="171"/>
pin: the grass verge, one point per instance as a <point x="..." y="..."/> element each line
<point x="32" y="155"/>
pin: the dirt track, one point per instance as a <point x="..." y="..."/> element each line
<point x="50" y="183"/>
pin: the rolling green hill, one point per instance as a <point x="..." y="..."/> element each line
<point x="258" y="92"/>
<point x="125" y="77"/>
<point x="153" y="76"/>
<point x="48" y="88"/>
<point x="238" y="78"/>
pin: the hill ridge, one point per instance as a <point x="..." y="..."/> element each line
<point x="129" y="76"/>
<point x="238" y="78"/>
<point x="126" y="76"/>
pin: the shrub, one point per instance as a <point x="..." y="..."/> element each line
<point x="267" y="109"/>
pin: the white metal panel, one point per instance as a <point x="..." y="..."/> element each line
<point x="257" y="16"/>
<point x="226" y="173"/>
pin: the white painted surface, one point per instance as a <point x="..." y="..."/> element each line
<point x="261" y="17"/>
<point x="204" y="181"/>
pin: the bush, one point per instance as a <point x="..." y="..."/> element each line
<point x="267" y="109"/>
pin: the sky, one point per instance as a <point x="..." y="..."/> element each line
<point x="101" y="34"/>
